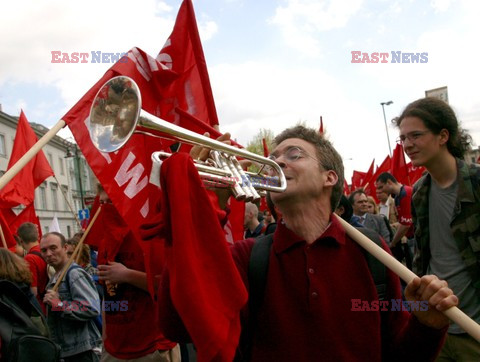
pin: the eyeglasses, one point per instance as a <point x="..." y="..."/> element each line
<point x="412" y="136"/>
<point x="292" y="154"/>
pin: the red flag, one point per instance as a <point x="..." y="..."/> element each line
<point x="212" y="318"/>
<point x="166" y="86"/>
<point x="21" y="189"/>
<point x="183" y="54"/>
<point x="399" y="166"/>
<point x="357" y="179"/>
<point x="368" y="176"/>
<point x="360" y="179"/>
<point x="384" y="167"/>
<point x="172" y="88"/>
<point x="265" y="147"/>
<point x="414" y="173"/>
<point x="346" y="189"/>
<point x="321" y="126"/>
<point x="26" y="215"/>
<point x="9" y="215"/>
<point x="7" y="234"/>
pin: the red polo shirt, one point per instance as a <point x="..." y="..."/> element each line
<point x="403" y="203"/>
<point x="131" y="330"/>
<point x="307" y="312"/>
<point x="38" y="268"/>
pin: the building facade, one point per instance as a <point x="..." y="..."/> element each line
<point x="63" y="195"/>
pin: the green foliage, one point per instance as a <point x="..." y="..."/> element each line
<point x="256" y="144"/>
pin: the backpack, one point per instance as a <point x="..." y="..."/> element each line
<point x="98" y="319"/>
<point x="21" y="337"/>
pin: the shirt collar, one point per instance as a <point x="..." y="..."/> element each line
<point x="285" y="238"/>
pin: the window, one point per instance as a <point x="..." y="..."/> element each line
<point x="69" y="232"/>
<point x="50" y="161"/>
<point x="42" y="196"/>
<point x="3" y="147"/>
<point x="54" y="188"/>
<point x="62" y="168"/>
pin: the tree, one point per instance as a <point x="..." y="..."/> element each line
<point x="256" y="144"/>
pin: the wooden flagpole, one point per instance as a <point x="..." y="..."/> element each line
<point x="455" y="314"/>
<point x="2" y="236"/>
<point x="30" y="154"/>
<point x="76" y="251"/>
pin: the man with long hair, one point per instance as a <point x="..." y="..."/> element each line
<point x="446" y="213"/>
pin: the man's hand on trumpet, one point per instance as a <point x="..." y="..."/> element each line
<point x="202" y="154"/>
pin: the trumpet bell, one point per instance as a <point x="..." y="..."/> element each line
<point x="114" y="114"/>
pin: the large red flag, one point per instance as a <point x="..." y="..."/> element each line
<point x="199" y="263"/>
<point x="26" y="215"/>
<point x="399" y="168"/>
<point x="21" y="189"/>
<point x="166" y="86"/>
<point x="183" y="54"/>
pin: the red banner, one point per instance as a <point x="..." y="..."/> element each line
<point x="21" y="188"/>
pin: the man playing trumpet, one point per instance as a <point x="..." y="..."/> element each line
<point x="317" y="274"/>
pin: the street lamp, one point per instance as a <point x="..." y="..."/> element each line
<point x="385" y="120"/>
<point x="77" y="163"/>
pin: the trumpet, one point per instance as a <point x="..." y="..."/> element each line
<point x="116" y="114"/>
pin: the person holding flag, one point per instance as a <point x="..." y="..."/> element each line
<point x="446" y="211"/>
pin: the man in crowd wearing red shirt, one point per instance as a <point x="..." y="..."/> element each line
<point x="28" y="234"/>
<point x="131" y="330"/>
<point x="316" y="272"/>
<point x="402" y="194"/>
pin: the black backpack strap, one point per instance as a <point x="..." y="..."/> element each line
<point x="257" y="280"/>
<point x="37" y="253"/>
<point x="377" y="269"/>
<point x="257" y="271"/>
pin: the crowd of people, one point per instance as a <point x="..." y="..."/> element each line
<point x="321" y="289"/>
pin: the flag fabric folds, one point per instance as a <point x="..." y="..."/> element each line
<point x="399" y="165"/>
<point x="172" y="86"/>
<point x="175" y="87"/>
<point x="21" y="189"/>
<point x="183" y="54"/>
<point x="205" y="286"/>
<point x="7" y="234"/>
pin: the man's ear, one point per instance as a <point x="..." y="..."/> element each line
<point x="331" y="178"/>
<point x="444" y="136"/>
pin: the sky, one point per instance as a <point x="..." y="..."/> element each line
<point x="271" y="63"/>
